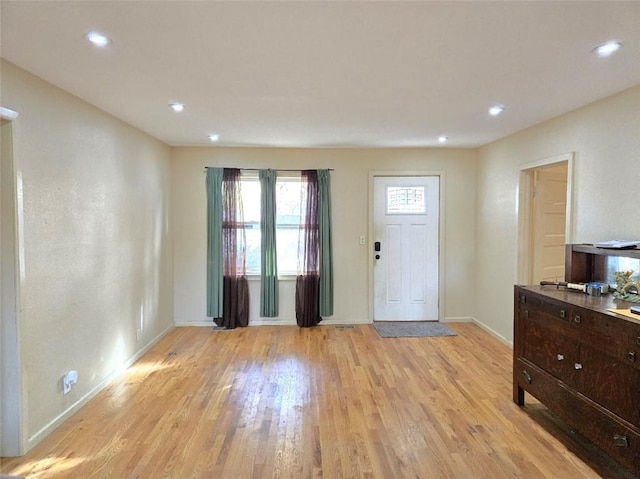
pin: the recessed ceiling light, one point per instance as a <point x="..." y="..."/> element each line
<point x="443" y="139"/>
<point x="495" y="110"/>
<point x="213" y="137"/>
<point x="607" y="49"/>
<point x="176" y="106"/>
<point x="98" y="39"/>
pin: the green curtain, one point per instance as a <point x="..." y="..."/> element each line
<point x="326" y="246"/>
<point x="214" y="243"/>
<point x="268" y="255"/>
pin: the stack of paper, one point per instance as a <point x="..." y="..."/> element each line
<point x="617" y="244"/>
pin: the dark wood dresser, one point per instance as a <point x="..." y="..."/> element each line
<point x="581" y="361"/>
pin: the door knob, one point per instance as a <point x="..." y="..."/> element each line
<point x="376" y="246"/>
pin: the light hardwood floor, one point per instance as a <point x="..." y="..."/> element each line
<point x="325" y="402"/>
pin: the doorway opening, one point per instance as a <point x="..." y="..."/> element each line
<point x="544" y="217"/>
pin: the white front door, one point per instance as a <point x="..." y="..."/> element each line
<point x="405" y="248"/>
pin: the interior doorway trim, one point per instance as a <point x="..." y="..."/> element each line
<point x="12" y="390"/>
<point x="525" y="209"/>
<point x="441" y="243"/>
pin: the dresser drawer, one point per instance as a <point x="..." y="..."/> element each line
<point x="543" y="386"/>
<point x="608" y="433"/>
<point x="615" y="437"/>
<point x="554" y="315"/>
<point x="610" y="382"/>
<point x="617" y="338"/>
<point x="552" y="351"/>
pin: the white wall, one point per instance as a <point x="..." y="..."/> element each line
<point x="605" y="137"/>
<point x="95" y="244"/>
<point x="350" y="202"/>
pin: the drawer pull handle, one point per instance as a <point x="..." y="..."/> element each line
<point x="577" y="319"/>
<point x="632" y="356"/>
<point x="638" y="340"/>
<point x="578" y="366"/>
<point x="620" y="441"/>
<point x="523" y="299"/>
<point x="560" y="357"/>
<point x="563" y="313"/>
<point x="527" y="377"/>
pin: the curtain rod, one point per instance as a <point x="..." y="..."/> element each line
<point x="258" y="169"/>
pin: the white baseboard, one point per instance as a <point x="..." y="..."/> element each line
<point x="276" y="322"/>
<point x="456" y="319"/>
<point x="273" y="322"/>
<point x="48" y="429"/>
<point x="203" y="324"/>
<point x="499" y="337"/>
<point x="342" y="322"/>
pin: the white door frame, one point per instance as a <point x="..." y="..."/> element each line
<point x="441" y="245"/>
<point x="12" y="384"/>
<point x="525" y="210"/>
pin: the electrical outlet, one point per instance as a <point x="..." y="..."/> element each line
<point x="69" y="380"/>
<point x="363" y="240"/>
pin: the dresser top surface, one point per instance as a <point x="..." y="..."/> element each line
<point x="601" y="304"/>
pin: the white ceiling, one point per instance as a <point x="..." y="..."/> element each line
<point x="315" y="74"/>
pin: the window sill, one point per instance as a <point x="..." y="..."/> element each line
<point x="284" y="277"/>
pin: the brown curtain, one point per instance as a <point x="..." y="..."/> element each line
<point x="308" y="279"/>
<point x="235" y="285"/>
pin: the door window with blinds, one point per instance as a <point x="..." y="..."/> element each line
<point x="405" y="200"/>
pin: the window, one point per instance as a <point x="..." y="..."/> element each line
<point x="250" y="187"/>
<point x="403" y="200"/>
<point x="288" y="208"/>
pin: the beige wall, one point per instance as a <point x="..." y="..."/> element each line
<point x="95" y="244"/>
<point x="605" y="137"/>
<point x="350" y="197"/>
